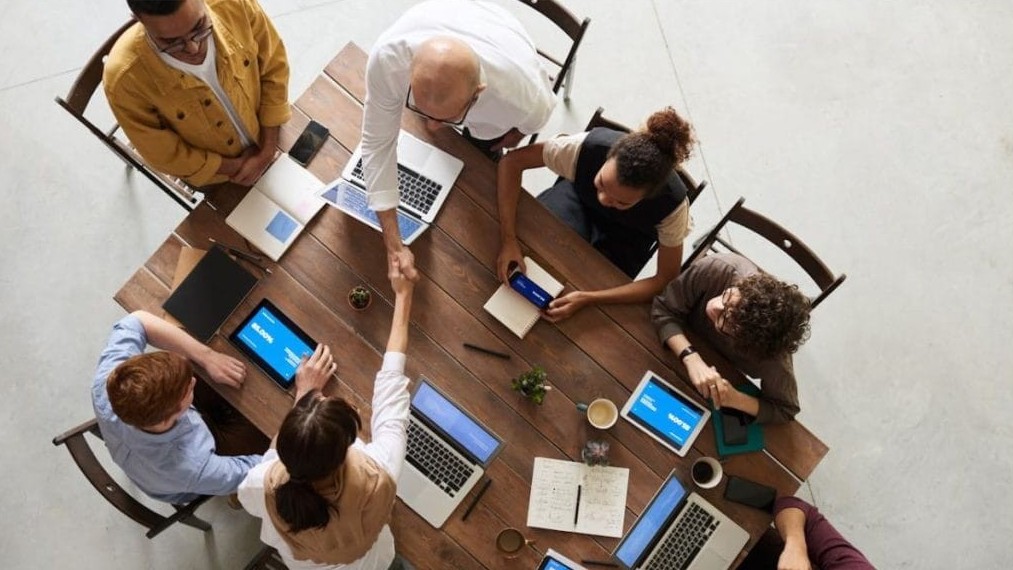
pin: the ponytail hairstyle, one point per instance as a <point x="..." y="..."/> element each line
<point x="312" y="444"/>
<point x="645" y="158"/>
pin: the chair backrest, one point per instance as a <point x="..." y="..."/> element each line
<point x="76" y="103"/>
<point x="570" y="25"/>
<point x="76" y="443"/>
<point x="781" y="238"/>
<point x="600" y="120"/>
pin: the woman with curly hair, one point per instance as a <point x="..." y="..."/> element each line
<point x="619" y="191"/>
<point x="754" y="320"/>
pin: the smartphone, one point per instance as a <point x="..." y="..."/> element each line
<point x="750" y="493"/>
<point x="734" y="427"/>
<point x="309" y="142"/>
<point x="529" y="289"/>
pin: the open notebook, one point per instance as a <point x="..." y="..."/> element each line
<point x="514" y="311"/>
<point x="573" y="497"/>
<point x="278" y="207"/>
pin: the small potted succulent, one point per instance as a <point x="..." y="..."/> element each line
<point x="531" y="384"/>
<point x="595" y="452"/>
<point x="359" y="298"/>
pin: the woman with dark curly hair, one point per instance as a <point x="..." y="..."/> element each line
<point x="754" y="320"/>
<point x="619" y="191"/>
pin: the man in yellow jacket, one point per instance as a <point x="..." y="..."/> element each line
<point x="200" y="88"/>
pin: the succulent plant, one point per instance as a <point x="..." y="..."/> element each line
<point x="531" y="384"/>
<point x="359" y="297"/>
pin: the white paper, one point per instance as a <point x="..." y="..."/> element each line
<point x="553" y="499"/>
<point x="292" y="187"/>
<point x="512" y="309"/>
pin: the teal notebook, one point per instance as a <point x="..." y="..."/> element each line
<point x="754" y="432"/>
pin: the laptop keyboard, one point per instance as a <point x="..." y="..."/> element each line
<point x="682" y="544"/>
<point x="432" y="458"/>
<point x="417" y="191"/>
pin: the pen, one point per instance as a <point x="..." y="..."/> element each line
<point x="474" y="501"/>
<point x="487" y="351"/>
<point x="254" y="259"/>
<point x="599" y="563"/>
<point x="576" y="508"/>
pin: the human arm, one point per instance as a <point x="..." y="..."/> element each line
<point x="511" y="139"/>
<point x="822" y="543"/>
<point x="221" y="368"/>
<point x="254" y="163"/>
<point x="790" y="524"/>
<point x="222" y="474"/>
<point x="508" y="191"/>
<point x="400" y="259"/>
<point x="314" y="371"/>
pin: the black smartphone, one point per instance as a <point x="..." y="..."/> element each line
<point x="308" y="143"/>
<point x="750" y="493"/>
<point x="734" y="427"/>
<point x="529" y="289"/>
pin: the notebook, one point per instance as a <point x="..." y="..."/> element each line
<point x="679" y="530"/>
<point x="275" y="211"/>
<point x="513" y="310"/>
<point x="754" y="431"/>
<point x="209" y="294"/>
<point x="573" y="497"/>
<point x="448" y="451"/>
<point x="425" y="176"/>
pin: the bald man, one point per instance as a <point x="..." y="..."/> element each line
<point x="452" y="62"/>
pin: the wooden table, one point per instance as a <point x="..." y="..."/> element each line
<point x="598" y="352"/>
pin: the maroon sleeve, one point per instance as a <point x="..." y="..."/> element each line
<point x="827" y="548"/>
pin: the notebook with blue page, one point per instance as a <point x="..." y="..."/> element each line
<point x="754" y="432"/>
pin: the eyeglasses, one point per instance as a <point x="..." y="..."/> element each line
<point x="197" y="37"/>
<point x="722" y="319"/>
<point x="409" y="103"/>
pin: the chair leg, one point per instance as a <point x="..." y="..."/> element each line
<point x="568" y="81"/>
<point x="195" y="522"/>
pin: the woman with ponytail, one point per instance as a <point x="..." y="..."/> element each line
<point x="619" y="191"/>
<point x="326" y="496"/>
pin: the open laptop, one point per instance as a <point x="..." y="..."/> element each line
<point x="425" y="176"/>
<point x="448" y="451"/>
<point x="678" y="531"/>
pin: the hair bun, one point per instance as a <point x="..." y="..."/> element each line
<point x="671" y="134"/>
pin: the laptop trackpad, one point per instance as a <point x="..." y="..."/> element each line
<point x="708" y="560"/>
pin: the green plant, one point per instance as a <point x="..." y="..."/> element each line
<point x="531" y="384"/>
<point x="359" y="297"/>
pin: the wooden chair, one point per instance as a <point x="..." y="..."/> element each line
<point x="266" y="559"/>
<point x="692" y="188"/>
<point x="76" y="104"/>
<point x="89" y="465"/>
<point x="572" y="27"/>
<point x="781" y="238"/>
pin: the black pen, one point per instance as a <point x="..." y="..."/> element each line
<point x="254" y="259"/>
<point x="487" y="351"/>
<point x="576" y="508"/>
<point x="599" y="563"/>
<point x="474" y="501"/>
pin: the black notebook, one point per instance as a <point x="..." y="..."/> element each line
<point x="215" y="287"/>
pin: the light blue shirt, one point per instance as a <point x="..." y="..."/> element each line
<point x="175" y="466"/>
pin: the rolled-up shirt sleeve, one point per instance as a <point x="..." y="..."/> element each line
<point x="386" y="89"/>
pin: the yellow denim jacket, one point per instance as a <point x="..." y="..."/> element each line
<point x="174" y="119"/>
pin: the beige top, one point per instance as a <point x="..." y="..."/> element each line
<point x="560" y="156"/>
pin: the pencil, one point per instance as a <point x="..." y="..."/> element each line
<point x="599" y="563"/>
<point x="490" y="352"/>
<point x="254" y="259"/>
<point x="576" y="508"/>
<point x="474" y="501"/>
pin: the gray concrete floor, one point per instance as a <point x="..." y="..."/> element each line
<point x="879" y="132"/>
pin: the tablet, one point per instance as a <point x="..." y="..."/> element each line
<point x="665" y="413"/>
<point x="273" y="342"/>
<point x="556" y="561"/>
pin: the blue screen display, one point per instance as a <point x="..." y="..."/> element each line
<point x="650" y="522"/>
<point x="448" y="417"/>
<point x="274" y="343"/>
<point x="666" y="413"/>
<point x="530" y="290"/>
<point x="553" y="564"/>
<point x="352" y="199"/>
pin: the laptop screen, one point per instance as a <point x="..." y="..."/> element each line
<point x="651" y="522"/>
<point x="456" y="424"/>
<point x="666" y="413"/>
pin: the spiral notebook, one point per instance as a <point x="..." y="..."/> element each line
<point x="514" y="311"/>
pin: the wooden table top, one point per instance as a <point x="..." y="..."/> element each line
<point x="598" y="352"/>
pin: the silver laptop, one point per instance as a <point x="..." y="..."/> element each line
<point x="448" y="451"/>
<point x="425" y="176"/>
<point x="678" y="531"/>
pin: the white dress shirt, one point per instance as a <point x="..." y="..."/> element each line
<point x="389" y="429"/>
<point x="518" y="91"/>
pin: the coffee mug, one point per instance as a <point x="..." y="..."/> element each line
<point x="601" y="413"/>
<point x="510" y="541"/>
<point x="706" y="472"/>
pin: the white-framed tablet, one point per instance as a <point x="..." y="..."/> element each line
<point x="665" y="413"/>
<point x="556" y="561"/>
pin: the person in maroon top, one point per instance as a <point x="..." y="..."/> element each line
<point x="809" y="542"/>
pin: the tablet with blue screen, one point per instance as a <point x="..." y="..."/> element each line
<point x="273" y="342"/>
<point x="665" y="413"/>
<point x="556" y="561"/>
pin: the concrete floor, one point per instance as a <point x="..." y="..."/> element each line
<point x="879" y="132"/>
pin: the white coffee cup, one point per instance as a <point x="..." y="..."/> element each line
<point x="706" y="472"/>
<point x="602" y="413"/>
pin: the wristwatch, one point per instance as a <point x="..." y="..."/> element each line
<point x="686" y="352"/>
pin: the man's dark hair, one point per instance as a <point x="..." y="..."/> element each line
<point x="771" y="317"/>
<point x="154" y="7"/>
